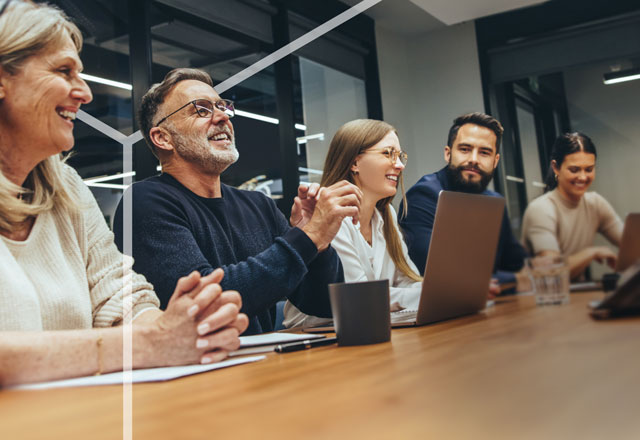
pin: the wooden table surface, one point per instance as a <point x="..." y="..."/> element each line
<point x="515" y="371"/>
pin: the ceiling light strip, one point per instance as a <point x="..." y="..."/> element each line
<point x="107" y="185"/>
<point x="310" y="170"/>
<point x="111" y="177"/>
<point x="263" y="118"/>
<point x="105" y="81"/>
<point x="257" y="117"/>
<point x="622" y="79"/>
<point x="515" y="179"/>
<point x="304" y="139"/>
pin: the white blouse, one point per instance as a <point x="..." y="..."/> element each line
<point x="362" y="262"/>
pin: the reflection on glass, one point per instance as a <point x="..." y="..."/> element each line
<point x="329" y="98"/>
<point x="530" y="152"/>
<point x="105" y="56"/>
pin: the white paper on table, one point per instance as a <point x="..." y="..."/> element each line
<point x="267" y="342"/>
<point x="275" y="338"/>
<point x="138" y="376"/>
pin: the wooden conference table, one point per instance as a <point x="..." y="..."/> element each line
<point x="515" y="371"/>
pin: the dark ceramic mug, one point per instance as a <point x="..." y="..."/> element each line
<point x="361" y="312"/>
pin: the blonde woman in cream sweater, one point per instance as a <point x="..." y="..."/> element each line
<point x="64" y="287"/>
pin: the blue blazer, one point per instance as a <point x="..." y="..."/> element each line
<point x="417" y="226"/>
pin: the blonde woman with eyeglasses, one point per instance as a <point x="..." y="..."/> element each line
<point x="367" y="153"/>
<point x="65" y="289"/>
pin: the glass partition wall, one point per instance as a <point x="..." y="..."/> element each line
<point x="97" y="156"/>
<point x="286" y="113"/>
<point x="546" y="79"/>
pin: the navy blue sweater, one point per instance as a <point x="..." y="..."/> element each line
<point x="176" y="232"/>
<point x="422" y="200"/>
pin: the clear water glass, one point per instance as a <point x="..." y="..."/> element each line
<point x="549" y="277"/>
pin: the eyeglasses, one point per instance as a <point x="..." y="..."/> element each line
<point x="392" y="154"/>
<point x="205" y="108"/>
<point x="4" y="7"/>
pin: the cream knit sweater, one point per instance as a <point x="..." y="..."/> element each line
<point x="68" y="274"/>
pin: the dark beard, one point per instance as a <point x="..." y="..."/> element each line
<point x="459" y="183"/>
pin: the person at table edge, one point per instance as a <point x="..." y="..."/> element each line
<point x="472" y="154"/>
<point x="65" y="290"/>
<point x="566" y="218"/>
<point x="185" y="219"/>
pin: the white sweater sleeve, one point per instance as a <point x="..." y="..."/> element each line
<point x="116" y="291"/>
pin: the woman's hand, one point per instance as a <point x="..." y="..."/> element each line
<point x="603" y="254"/>
<point x="201" y="324"/>
<point x="579" y="261"/>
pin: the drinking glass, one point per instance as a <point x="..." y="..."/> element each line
<point x="549" y="277"/>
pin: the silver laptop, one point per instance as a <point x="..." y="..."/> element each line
<point x="628" y="254"/>
<point x="460" y="261"/>
<point x="630" y="244"/>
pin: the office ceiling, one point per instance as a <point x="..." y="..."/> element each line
<point x="457" y="11"/>
<point x="401" y="16"/>
<point x="412" y="17"/>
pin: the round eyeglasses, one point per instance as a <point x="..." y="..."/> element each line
<point x="205" y="108"/>
<point x="392" y="154"/>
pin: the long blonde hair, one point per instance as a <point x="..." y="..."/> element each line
<point x="352" y="139"/>
<point x="28" y="29"/>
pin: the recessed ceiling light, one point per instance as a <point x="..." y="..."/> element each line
<point x="621" y="76"/>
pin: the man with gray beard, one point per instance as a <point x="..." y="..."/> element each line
<point x="186" y="220"/>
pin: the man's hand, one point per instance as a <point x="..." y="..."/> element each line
<point x="304" y="205"/>
<point x="333" y="204"/>
<point x="494" y="288"/>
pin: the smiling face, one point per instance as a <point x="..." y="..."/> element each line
<point x="472" y="158"/>
<point x="208" y="142"/>
<point x="373" y="171"/>
<point x="575" y="174"/>
<point x="39" y="103"/>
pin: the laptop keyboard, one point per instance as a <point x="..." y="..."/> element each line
<point x="403" y="316"/>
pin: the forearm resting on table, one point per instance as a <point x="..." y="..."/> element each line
<point x="51" y="355"/>
<point x="577" y="262"/>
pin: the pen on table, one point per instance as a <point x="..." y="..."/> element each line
<point x="303" y="345"/>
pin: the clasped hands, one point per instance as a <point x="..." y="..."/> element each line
<point x="319" y="211"/>
<point x="202" y="323"/>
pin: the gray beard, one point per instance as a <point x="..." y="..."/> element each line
<point x="197" y="150"/>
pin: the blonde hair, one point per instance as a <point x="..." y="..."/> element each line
<point x="351" y="140"/>
<point x="28" y="29"/>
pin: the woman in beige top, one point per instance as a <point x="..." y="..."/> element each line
<point x="64" y="287"/>
<point x="566" y="218"/>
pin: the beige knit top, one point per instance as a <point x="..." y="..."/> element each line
<point x="553" y="223"/>
<point x="68" y="274"/>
